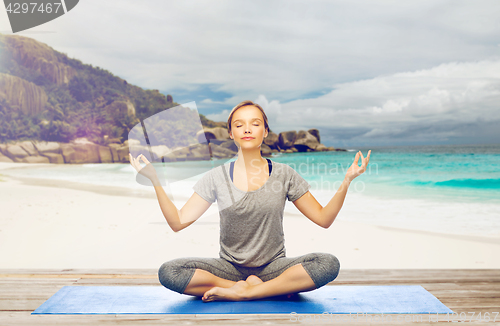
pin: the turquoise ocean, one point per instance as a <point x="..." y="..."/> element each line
<point x="451" y="189"/>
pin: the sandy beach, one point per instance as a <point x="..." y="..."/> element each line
<point x="52" y="224"/>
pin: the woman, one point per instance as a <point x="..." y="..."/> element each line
<point x="251" y="193"/>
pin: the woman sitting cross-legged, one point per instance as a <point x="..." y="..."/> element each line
<point x="251" y="193"/>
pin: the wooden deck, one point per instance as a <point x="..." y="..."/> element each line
<point x="464" y="291"/>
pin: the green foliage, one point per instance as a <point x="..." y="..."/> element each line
<point x="148" y="102"/>
<point x="92" y="105"/>
<point x="57" y="131"/>
<point x="209" y="123"/>
<point x="80" y="89"/>
<point x="15" y="125"/>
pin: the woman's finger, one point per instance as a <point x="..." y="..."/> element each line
<point x="356" y="158"/>
<point x="132" y="161"/>
<point x="135" y="163"/>
<point x="365" y="160"/>
<point x="368" y="157"/>
<point x="144" y="159"/>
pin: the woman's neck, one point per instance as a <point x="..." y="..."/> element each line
<point x="251" y="159"/>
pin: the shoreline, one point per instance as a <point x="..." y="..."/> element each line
<point x="150" y="194"/>
<point x="97" y="189"/>
<point x="54" y="224"/>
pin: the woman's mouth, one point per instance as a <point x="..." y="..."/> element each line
<point x="247" y="138"/>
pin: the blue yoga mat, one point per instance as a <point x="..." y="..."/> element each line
<point x="338" y="299"/>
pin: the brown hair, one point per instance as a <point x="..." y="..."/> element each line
<point x="242" y="104"/>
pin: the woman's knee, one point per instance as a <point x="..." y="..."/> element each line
<point x="332" y="265"/>
<point x="175" y="275"/>
<point x="324" y="267"/>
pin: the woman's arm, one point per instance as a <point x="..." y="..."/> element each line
<point x="324" y="216"/>
<point x="176" y="219"/>
<point x="187" y="215"/>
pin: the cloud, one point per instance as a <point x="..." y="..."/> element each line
<point x="284" y="49"/>
<point x="272" y="109"/>
<point x="222" y="116"/>
<point x="360" y="71"/>
<point x="435" y="104"/>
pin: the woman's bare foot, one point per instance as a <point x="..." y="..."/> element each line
<point x="254" y="280"/>
<point x="235" y="293"/>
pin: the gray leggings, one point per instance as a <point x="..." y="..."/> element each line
<point x="177" y="273"/>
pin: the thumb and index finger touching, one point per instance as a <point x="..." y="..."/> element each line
<point x="135" y="161"/>
<point x="364" y="160"/>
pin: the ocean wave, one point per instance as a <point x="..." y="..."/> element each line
<point x="463" y="183"/>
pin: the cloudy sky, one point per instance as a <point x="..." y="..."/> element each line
<point x="365" y="73"/>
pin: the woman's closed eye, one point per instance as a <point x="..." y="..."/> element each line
<point x="254" y="125"/>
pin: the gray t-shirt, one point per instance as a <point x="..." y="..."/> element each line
<point x="251" y="223"/>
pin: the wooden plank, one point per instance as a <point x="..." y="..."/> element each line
<point x="393" y="273"/>
<point x="476" y="311"/>
<point x="13" y="294"/>
<point x="72" y="276"/>
<point x="453" y="278"/>
<point x="465" y="294"/>
<point x="22" y="292"/>
<point x="460" y="283"/>
<point x="478" y="285"/>
<point x="225" y="319"/>
<point x="82" y="271"/>
<point x="468" y="278"/>
<point x="23" y="304"/>
<point x="25" y="287"/>
<point x="422" y="273"/>
<point x="29" y="282"/>
<point x="219" y="319"/>
<point x="117" y="282"/>
<point x="486" y="302"/>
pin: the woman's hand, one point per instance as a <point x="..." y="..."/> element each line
<point x="148" y="171"/>
<point x="355" y="170"/>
